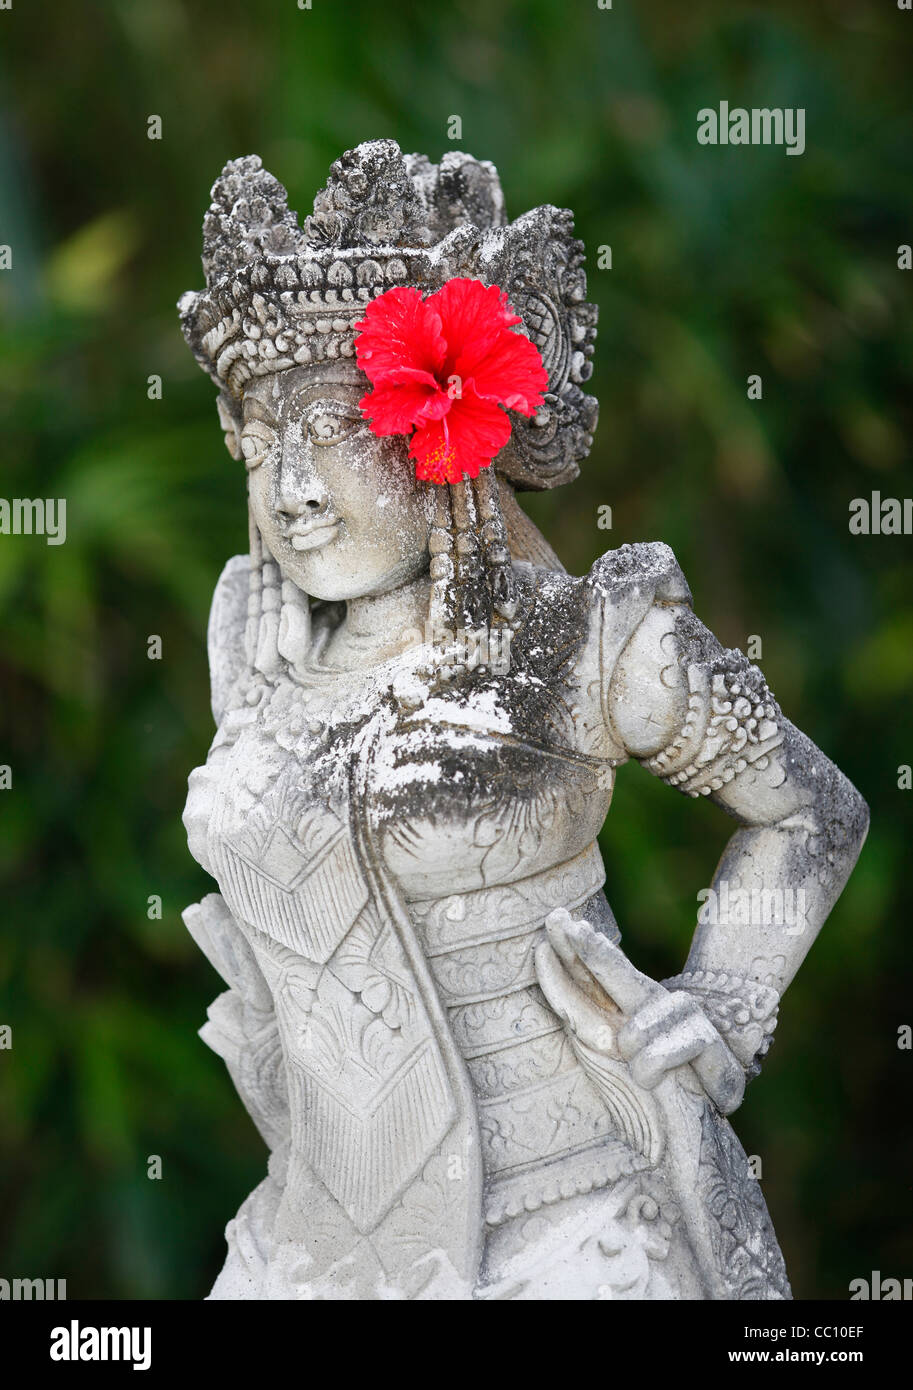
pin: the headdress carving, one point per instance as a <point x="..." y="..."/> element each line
<point x="279" y="295"/>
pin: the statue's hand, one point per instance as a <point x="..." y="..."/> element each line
<point x="610" y="1007"/>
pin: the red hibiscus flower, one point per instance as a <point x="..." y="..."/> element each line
<point x="444" y="367"/>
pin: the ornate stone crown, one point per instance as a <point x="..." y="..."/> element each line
<point x="279" y="296"/>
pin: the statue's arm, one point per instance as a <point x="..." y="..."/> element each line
<point x="241" y="1025"/>
<point x="225" y="634"/>
<point x="702" y="718"/>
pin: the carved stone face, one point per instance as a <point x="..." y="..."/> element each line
<point x="339" y="509"/>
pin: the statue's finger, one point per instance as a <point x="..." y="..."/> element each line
<point x="681" y="1044"/>
<point x="656" y="1017"/>
<point x="553" y="980"/>
<point x="582" y="1017"/>
<point x="557" y="926"/>
<point x="721" y="1076"/>
<point x="610" y="967"/>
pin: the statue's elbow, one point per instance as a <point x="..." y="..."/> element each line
<point x="852" y="809"/>
<point x="863" y="818"/>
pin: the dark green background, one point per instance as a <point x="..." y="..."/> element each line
<point x="726" y="262"/>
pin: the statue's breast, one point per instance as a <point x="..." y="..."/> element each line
<point x="301" y="886"/>
<point x="277" y="838"/>
<point x="504" y="774"/>
<point x="463" y="807"/>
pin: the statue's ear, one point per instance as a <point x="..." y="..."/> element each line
<point x="230" y="420"/>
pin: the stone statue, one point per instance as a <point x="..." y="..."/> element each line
<point x="467" y="1090"/>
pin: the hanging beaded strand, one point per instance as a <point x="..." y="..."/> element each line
<point x="472" y="598"/>
<point x="442" y="569"/>
<point x="264" y="603"/>
<point x="255" y="591"/>
<point x="472" y="576"/>
<point x="493" y="531"/>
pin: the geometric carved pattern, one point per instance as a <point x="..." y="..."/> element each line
<point x="312" y="913"/>
<point x="373" y="1097"/>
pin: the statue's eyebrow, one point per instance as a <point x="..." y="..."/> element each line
<point x="333" y="392"/>
<point x="254" y="409"/>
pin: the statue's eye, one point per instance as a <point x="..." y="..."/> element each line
<point x="329" y="422"/>
<point x="256" y="440"/>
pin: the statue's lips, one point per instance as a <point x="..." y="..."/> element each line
<point x="321" y="533"/>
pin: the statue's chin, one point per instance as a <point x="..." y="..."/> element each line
<point x="334" y="578"/>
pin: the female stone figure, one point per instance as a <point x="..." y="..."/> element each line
<point x="466" y="1088"/>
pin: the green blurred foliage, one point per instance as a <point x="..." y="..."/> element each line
<point x="726" y="262"/>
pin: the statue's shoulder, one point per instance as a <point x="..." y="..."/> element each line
<point x="644" y="567"/>
<point x="632" y="577"/>
<point x="225" y="634"/>
<point x="603" y="607"/>
<point x="623" y="589"/>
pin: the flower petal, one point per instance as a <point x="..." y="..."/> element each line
<point x="399" y="329"/>
<point x="463" y="442"/>
<point x="437" y="401"/>
<point x="473" y="316"/>
<point x="510" y="371"/>
<point x="403" y="398"/>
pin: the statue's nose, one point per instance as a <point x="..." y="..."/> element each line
<point x="293" y="505"/>
<point x="301" y="493"/>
